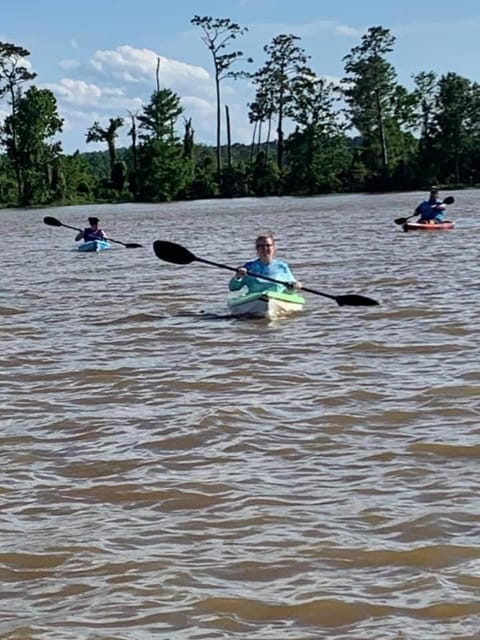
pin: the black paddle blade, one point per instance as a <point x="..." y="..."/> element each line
<point x="132" y="245"/>
<point x="353" y="300"/>
<point x="400" y="220"/>
<point x="171" y="252"/>
<point x="449" y="200"/>
<point x="53" y="222"/>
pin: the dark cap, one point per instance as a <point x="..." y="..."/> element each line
<point x="93" y="220"/>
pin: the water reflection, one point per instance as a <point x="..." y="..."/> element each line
<point x="169" y="471"/>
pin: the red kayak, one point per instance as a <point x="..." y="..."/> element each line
<point x="428" y="226"/>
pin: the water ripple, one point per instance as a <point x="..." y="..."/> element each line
<point x="169" y="471"/>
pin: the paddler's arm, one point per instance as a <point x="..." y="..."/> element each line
<point x="294" y="285"/>
<point x="238" y="279"/>
<point x="290" y="278"/>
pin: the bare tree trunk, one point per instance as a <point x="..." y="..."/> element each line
<point x="280" y="141"/>
<point x="383" y="140"/>
<point x="157" y="77"/>
<point x="16" y="162"/>
<point x="133" y="135"/>
<point x="252" y="146"/>
<point x="229" y="138"/>
<point x="219" y="151"/>
<point x="267" y="143"/>
<point x="259" y="139"/>
<point x="133" y="178"/>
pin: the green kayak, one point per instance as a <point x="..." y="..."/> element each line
<point x="266" y="304"/>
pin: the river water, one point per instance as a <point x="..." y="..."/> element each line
<point x="170" y="472"/>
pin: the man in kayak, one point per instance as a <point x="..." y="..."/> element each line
<point x="431" y="210"/>
<point x="267" y="265"/>
<point x="93" y="232"/>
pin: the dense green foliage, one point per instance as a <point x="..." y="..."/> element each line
<point x="367" y="133"/>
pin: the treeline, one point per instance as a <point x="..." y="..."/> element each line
<point x="401" y="139"/>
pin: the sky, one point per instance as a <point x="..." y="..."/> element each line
<point x="99" y="57"/>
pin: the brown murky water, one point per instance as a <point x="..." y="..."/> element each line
<point x="170" y="472"/>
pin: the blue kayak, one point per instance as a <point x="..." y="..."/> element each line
<point x="94" y="245"/>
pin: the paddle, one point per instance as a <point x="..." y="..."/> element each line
<point x="53" y="222"/>
<point x="448" y="200"/>
<point x="171" y="252"/>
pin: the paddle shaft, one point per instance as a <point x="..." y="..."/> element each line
<point x="75" y="229"/>
<point x="56" y="223"/>
<point x="261" y="277"/>
<point x="408" y="218"/>
<point x="175" y="253"/>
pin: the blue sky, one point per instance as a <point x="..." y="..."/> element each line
<point x="99" y="56"/>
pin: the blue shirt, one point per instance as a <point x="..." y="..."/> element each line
<point x="276" y="269"/>
<point x="428" y="210"/>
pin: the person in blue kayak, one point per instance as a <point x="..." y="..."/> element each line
<point x="250" y="274"/>
<point x="93" y="232"/>
<point x="431" y="210"/>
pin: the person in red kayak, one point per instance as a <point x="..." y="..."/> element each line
<point x="431" y="210"/>
<point x="93" y="232"/>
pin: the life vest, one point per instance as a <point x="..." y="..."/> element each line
<point x="91" y="234"/>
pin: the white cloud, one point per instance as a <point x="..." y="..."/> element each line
<point x="131" y="65"/>
<point x="76" y="123"/>
<point x="69" y="64"/>
<point x="75" y="91"/>
<point x="116" y="82"/>
<point x="309" y="29"/>
<point x="25" y="62"/>
<point x="79" y="92"/>
<point x="335" y="80"/>
<point x="77" y="120"/>
<point x="202" y="107"/>
<point x="350" y="32"/>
